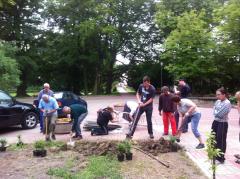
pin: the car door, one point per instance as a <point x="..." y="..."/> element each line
<point x="9" y="113"/>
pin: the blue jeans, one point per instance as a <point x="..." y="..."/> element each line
<point x="76" y="124"/>
<point x="194" y="119"/>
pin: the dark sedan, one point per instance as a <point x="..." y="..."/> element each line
<point x="67" y="98"/>
<point x="13" y="112"/>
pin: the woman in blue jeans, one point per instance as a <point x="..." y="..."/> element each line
<point x="188" y="112"/>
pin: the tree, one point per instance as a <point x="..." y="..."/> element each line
<point x="227" y="35"/>
<point x="19" y="23"/>
<point x="189" y="49"/>
<point x="9" y="69"/>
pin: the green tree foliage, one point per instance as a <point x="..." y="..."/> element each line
<point x="9" y="69"/>
<point x="227" y="35"/>
<point x="189" y="48"/>
<point x="19" y="24"/>
<point x="92" y="33"/>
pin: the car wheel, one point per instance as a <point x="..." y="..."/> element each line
<point x="30" y="120"/>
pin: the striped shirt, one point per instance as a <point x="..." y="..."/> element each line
<point x="221" y="110"/>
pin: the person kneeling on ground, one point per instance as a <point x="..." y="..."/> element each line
<point x="78" y="113"/>
<point x="188" y="111"/>
<point x="103" y="117"/>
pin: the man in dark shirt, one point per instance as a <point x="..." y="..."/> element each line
<point x="168" y="107"/>
<point x="145" y="95"/>
<point x="184" y="91"/>
<point x="78" y="113"/>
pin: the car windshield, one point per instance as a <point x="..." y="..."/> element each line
<point x="5" y="99"/>
<point x="58" y="95"/>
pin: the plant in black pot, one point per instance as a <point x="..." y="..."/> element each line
<point x="121" y="151"/>
<point x="173" y="145"/>
<point x="3" y="145"/>
<point x="128" y="147"/>
<point x="39" y="147"/>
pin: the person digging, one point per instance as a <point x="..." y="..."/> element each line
<point x="48" y="106"/>
<point x="78" y="113"/>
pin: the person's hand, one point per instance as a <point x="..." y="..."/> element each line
<point x="141" y="105"/>
<point x="160" y="113"/>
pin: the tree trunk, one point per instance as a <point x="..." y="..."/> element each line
<point x="97" y="82"/>
<point x="22" y="88"/>
<point x="85" y="81"/>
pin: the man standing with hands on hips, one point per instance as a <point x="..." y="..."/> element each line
<point x="145" y="96"/>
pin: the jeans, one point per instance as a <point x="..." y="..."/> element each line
<point x="76" y="124"/>
<point x="148" y="111"/>
<point x="195" y="118"/>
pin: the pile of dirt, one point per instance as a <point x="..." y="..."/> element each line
<point x="159" y="146"/>
<point x="88" y="148"/>
<point x="110" y="147"/>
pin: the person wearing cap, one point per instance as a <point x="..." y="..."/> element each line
<point x="48" y="106"/>
<point x="46" y="90"/>
<point x="78" y="114"/>
<point x="166" y="108"/>
<point x="145" y="95"/>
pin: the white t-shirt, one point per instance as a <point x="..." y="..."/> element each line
<point x="132" y="105"/>
<point x="184" y="106"/>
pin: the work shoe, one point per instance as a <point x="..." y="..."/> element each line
<point x="53" y="137"/>
<point x="47" y="138"/>
<point x="237" y="156"/>
<point x="178" y="139"/>
<point x="151" y="136"/>
<point x="200" y="146"/>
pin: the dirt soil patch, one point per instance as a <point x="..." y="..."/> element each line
<point x="22" y="164"/>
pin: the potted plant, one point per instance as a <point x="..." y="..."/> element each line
<point x="128" y="147"/>
<point x="3" y="145"/>
<point x="39" y="149"/>
<point x="173" y="145"/>
<point x="121" y="151"/>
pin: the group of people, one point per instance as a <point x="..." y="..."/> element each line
<point x="175" y="108"/>
<point x="48" y="107"/>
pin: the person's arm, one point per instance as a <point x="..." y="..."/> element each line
<point x="55" y="106"/>
<point x="138" y="95"/>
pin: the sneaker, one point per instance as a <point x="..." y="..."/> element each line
<point x="218" y="162"/>
<point x="184" y="131"/>
<point x="200" y="146"/>
<point x="151" y="136"/>
<point x="178" y="139"/>
<point x="237" y="156"/>
<point x="53" y="137"/>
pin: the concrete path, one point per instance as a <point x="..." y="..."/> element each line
<point x="228" y="170"/>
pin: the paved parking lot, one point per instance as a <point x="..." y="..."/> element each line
<point x="228" y="170"/>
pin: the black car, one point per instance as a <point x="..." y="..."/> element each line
<point x="13" y="112"/>
<point x="67" y="98"/>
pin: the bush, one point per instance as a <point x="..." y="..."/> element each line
<point x="121" y="147"/>
<point x="128" y="146"/>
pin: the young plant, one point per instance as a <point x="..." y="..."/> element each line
<point x="212" y="152"/>
<point x="128" y="146"/>
<point x="172" y="139"/>
<point x="3" y="143"/>
<point x="20" y="142"/>
<point x="39" y="145"/>
<point x="121" y="148"/>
